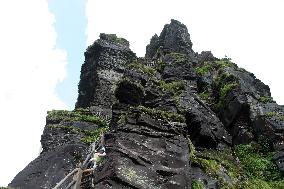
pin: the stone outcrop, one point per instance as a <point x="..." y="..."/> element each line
<point x="104" y="65"/>
<point x="144" y="152"/>
<point x="174" y="119"/>
<point x="62" y="150"/>
<point x="173" y="39"/>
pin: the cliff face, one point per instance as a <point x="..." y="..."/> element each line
<point x="174" y="119"/>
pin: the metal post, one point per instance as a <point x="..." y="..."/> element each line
<point x="77" y="179"/>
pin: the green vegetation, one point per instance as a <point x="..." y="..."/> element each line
<point x="143" y="68"/>
<point x="174" y="87"/>
<point x="178" y="57"/>
<point x="57" y="117"/>
<point x="265" y="99"/>
<point x="75" y="115"/>
<point x="100" y="160"/>
<point x="214" y="163"/>
<point x="165" y="115"/>
<point x="256" y="163"/>
<point x="93" y="136"/>
<point x="127" y="81"/>
<point x="204" y="95"/>
<point x="161" y="66"/>
<point x="224" y="62"/>
<point x="271" y="114"/>
<point x="89" y="136"/>
<point x="197" y="185"/>
<point x="224" y="84"/>
<point x="258" y="167"/>
<point x="137" y="176"/>
<point x="218" y="64"/>
<point x="225" y="89"/>
<point x="114" y="38"/>
<point x="203" y="69"/>
<point x="255" y="169"/>
<point x="256" y="184"/>
<point x="275" y="115"/>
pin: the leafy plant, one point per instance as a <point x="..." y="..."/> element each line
<point x="174" y="87"/>
<point x="197" y="185"/>
<point x="203" y="70"/>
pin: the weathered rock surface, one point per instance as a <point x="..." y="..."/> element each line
<point x="144" y="152"/>
<point x="173" y="39"/>
<point x="104" y="65"/>
<point x="62" y="150"/>
<point x="243" y="102"/>
<point x="174" y="119"/>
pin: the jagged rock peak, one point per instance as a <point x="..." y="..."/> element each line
<point x="173" y="38"/>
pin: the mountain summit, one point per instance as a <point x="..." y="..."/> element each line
<point x="175" y="119"/>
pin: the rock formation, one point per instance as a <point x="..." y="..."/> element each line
<point x="174" y="119"/>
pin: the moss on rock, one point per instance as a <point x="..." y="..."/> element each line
<point x="265" y="99"/>
<point x="89" y="136"/>
<point x="174" y="87"/>
<point x="83" y="115"/>
<point x="248" y="167"/>
<point x="165" y="115"/>
<point x="143" y="68"/>
<point x="114" y="38"/>
<point x="178" y="57"/>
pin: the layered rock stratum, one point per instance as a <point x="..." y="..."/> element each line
<point x="175" y="119"/>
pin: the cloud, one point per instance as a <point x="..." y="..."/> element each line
<point x="30" y="68"/>
<point x="250" y="32"/>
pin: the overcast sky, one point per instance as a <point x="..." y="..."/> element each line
<point x="42" y="45"/>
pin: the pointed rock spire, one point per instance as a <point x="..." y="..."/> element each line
<point x="173" y="38"/>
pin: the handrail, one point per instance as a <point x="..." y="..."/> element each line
<point x="94" y="146"/>
<point x="65" y="178"/>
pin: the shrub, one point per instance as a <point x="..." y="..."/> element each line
<point x="203" y="70"/>
<point x="174" y="87"/>
<point x="257" y="164"/>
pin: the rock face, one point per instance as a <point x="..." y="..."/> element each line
<point x="144" y="152"/>
<point x="104" y="65"/>
<point x="174" y="119"/>
<point x="62" y="150"/>
<point x="173" y="39"/>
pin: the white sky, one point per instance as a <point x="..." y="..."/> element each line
<point x="30" y="69"/>
<point x="250" y="32"/>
